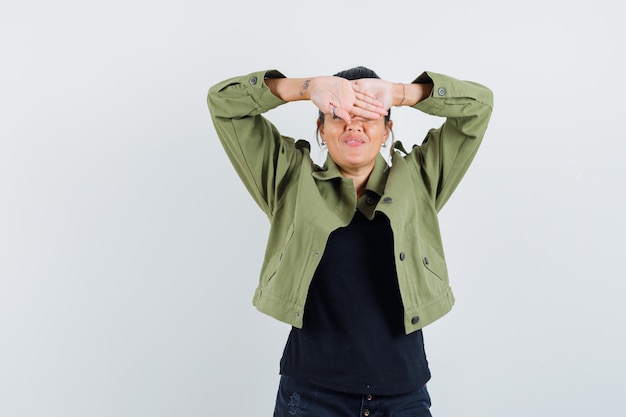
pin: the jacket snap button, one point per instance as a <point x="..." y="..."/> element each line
<point x="441" y="91"/>
<point x="426" y="260"/>
<point x="253" y="80"/>
<point x="387" y="200"/>
<point x="415" y="320"/>
<point x="402" y="256"/>
<point x="370" y="201"/>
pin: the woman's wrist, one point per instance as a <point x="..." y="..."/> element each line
<point x="290" y="89"/>
<point x="411" y="94"/>
<point x="399" y="94"/>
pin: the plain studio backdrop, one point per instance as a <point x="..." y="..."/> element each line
<point x="129" y="249"/>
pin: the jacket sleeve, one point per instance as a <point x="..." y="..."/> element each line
<point x="261" y="156"/>
<point x="446" y="153"/>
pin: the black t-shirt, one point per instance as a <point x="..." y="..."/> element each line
<point x="353" y="337"/>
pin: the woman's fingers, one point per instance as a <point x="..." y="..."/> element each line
<point x="358" y="109"/>
<point x="343" y="99"/>
<point x="368" y="107"/>
<point x="341" y="113"/>
<point x="367" y="114"/>
<point x="374" y="91"/>
<point x="368" y="102"/>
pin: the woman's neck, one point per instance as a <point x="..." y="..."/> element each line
<point x="359" y="178"/>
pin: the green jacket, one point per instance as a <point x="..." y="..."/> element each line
<point x="305" y="202"/>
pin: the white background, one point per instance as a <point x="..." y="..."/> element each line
<point x="129" y="250"/>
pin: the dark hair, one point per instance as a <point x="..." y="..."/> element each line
<point x="356" y="73"/>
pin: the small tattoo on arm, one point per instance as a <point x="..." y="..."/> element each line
<point x="304" y="87"/>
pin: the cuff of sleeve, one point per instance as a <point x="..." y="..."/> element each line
<point x="271" y="74"/>
<point x="441" y="86"/>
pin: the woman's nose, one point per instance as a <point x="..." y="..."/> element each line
<point x="355" y="125"/>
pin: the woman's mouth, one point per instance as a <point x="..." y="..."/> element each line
<point x="353" y="141"/>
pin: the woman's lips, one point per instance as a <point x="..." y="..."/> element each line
<point x="353" y="141"/>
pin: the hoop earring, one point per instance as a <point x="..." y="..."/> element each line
<point x="317" y="138"/>
<point x="384" y="144"/>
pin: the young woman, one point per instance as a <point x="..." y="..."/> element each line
<point x="354" y="260"/>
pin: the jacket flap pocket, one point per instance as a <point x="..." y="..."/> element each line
<point x="434" y="262"/>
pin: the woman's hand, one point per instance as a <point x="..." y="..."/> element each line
<point x="381" y="90"/>
<point x="345" y="99"/>
<point x="393" y="94"/>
